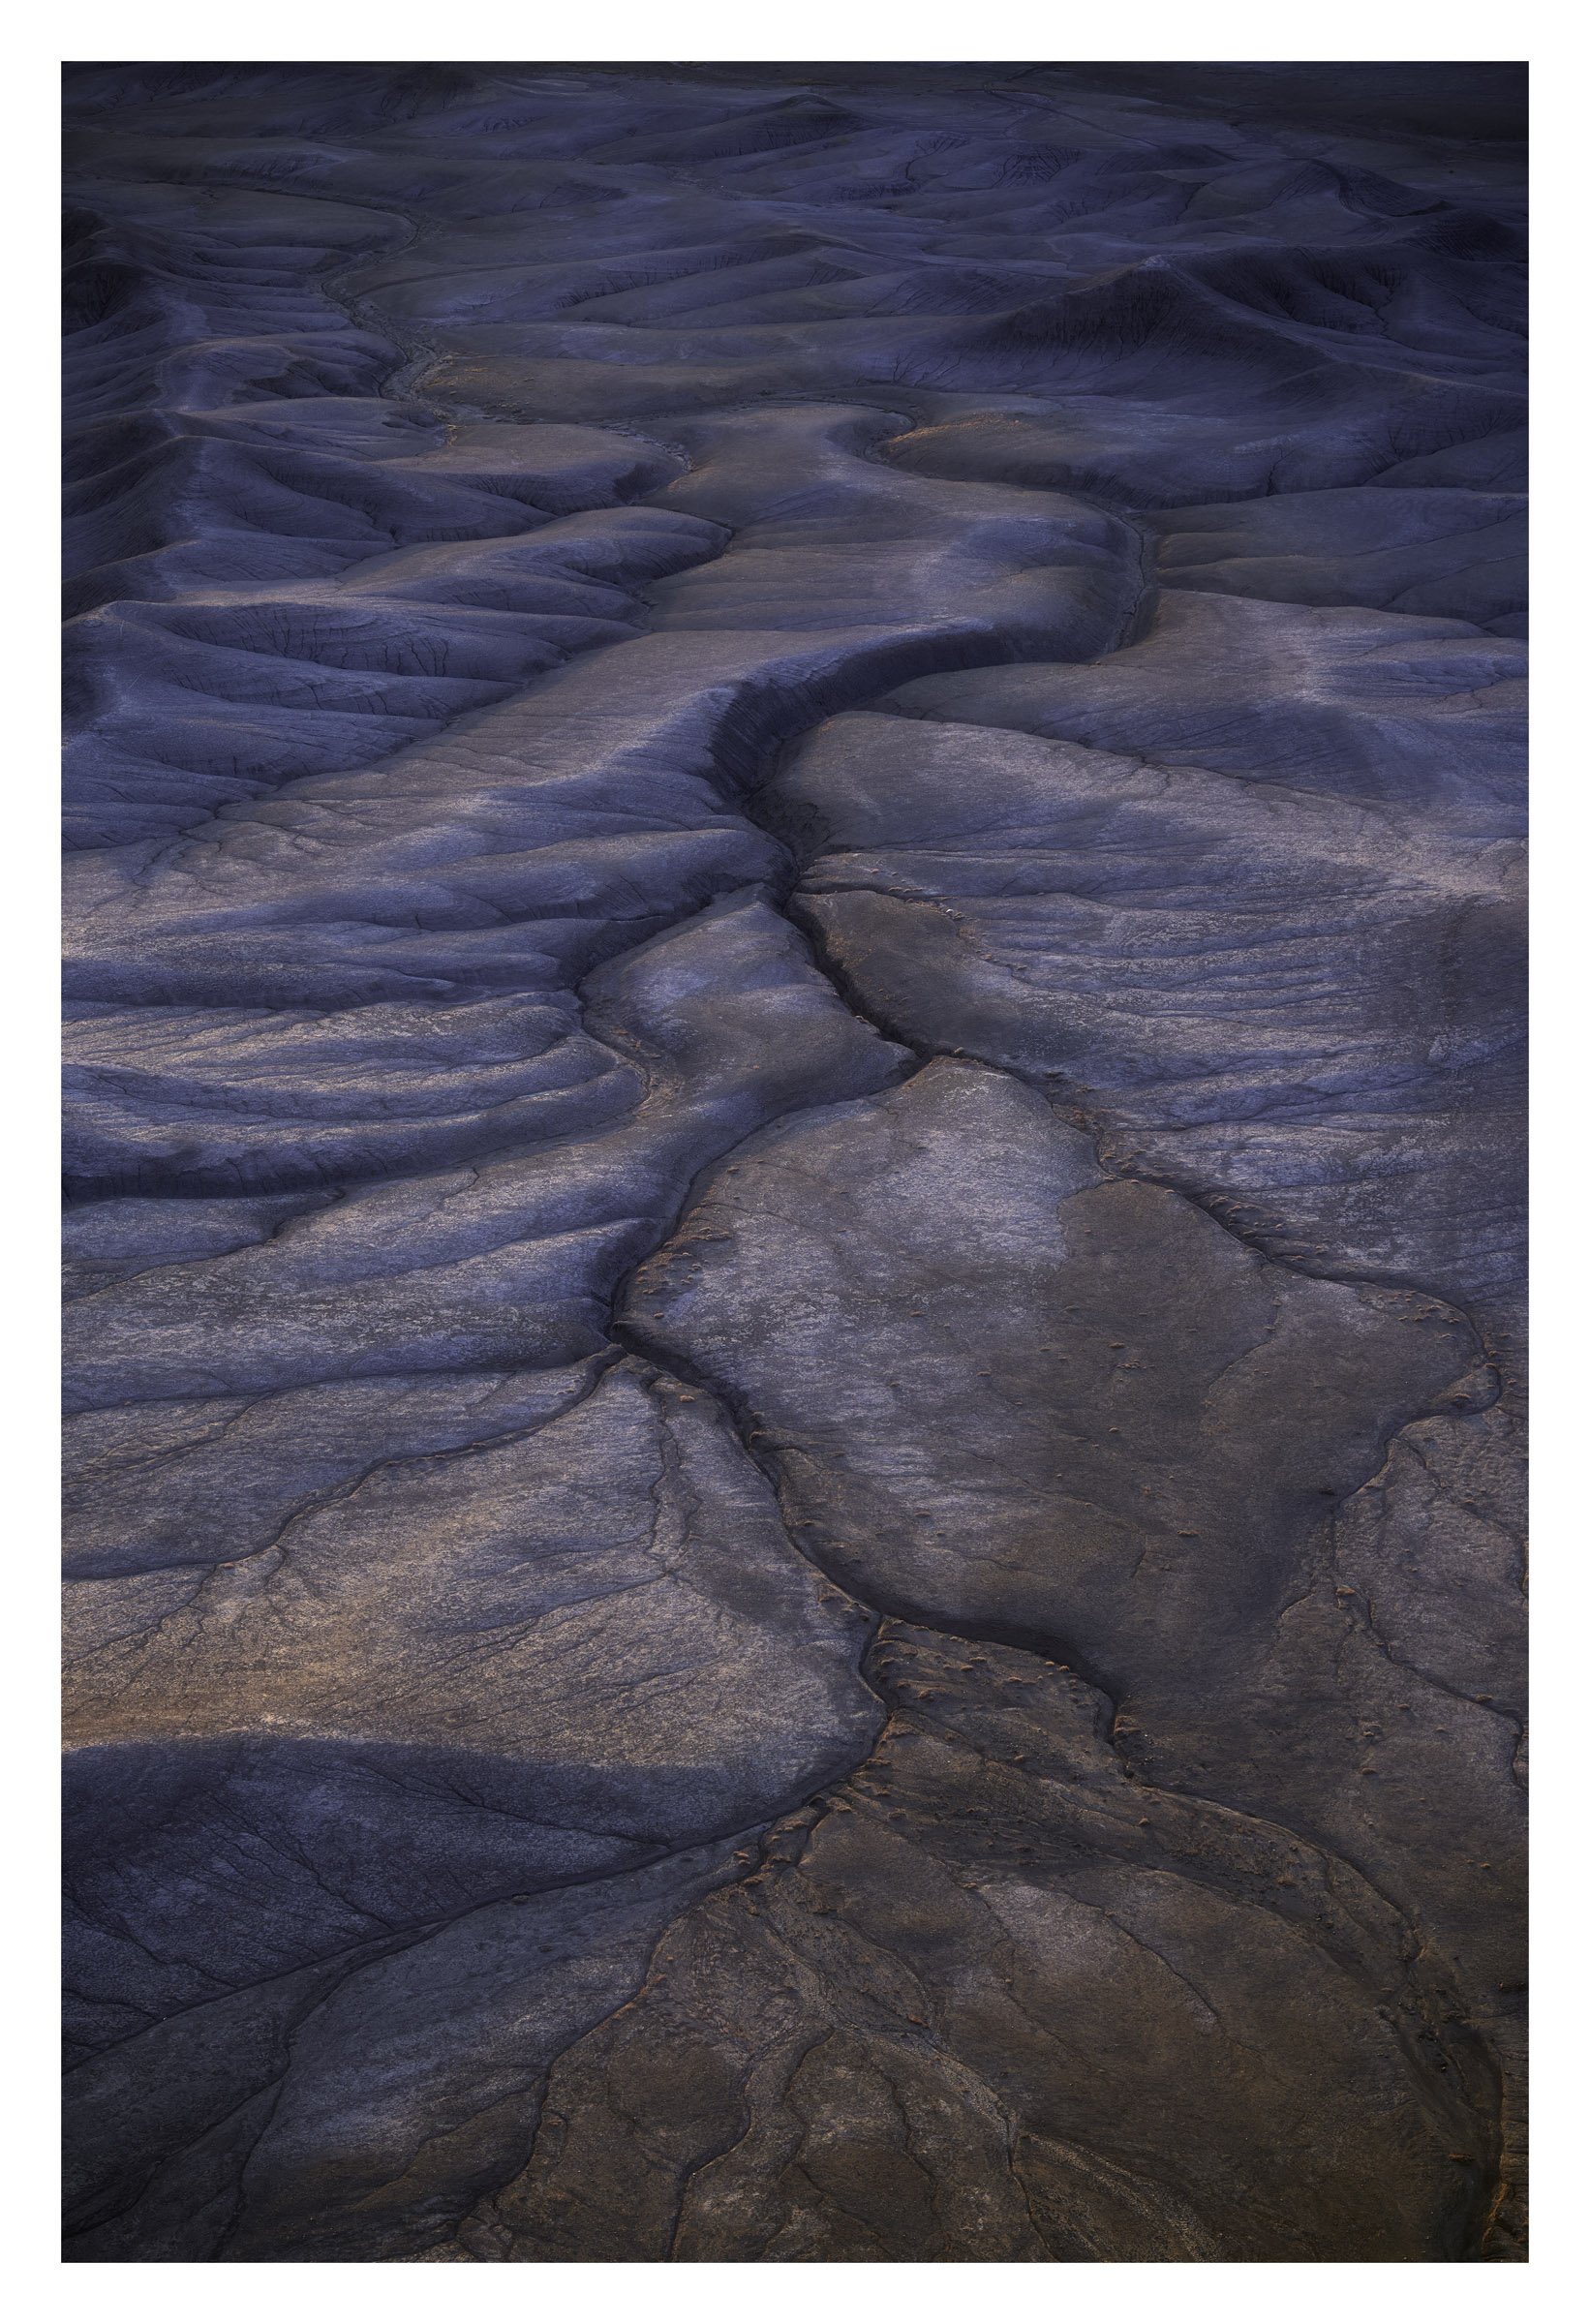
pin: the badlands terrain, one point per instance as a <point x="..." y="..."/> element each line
<point x="794" y="1231"/>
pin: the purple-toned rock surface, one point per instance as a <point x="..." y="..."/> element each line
<point x="794" y="1238"/>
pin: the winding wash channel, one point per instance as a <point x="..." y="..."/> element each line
<point x="794" y="1052"/>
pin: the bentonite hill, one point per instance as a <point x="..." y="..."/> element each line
<point x="794" y="1224"/>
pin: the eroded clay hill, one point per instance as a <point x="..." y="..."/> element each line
<point x="794" y="1234"/>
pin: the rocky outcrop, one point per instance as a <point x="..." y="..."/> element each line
<point x="794" y="1343"/>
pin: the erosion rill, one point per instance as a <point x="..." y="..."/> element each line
<point x="794" y="1223"/>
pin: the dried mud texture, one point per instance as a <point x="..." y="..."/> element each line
<point x="794" y="1333"/>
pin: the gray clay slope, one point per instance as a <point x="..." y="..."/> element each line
<point x="794" y="1234"/>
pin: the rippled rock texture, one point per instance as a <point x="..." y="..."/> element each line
<point x="794" y="1229"/>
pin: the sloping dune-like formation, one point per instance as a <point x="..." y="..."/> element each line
<point x="794" y="1333"/>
